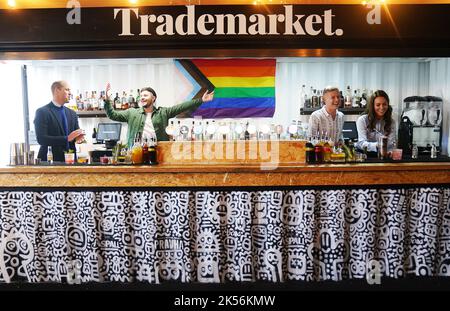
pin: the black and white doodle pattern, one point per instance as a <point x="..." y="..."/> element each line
<point x="220" y="236"/>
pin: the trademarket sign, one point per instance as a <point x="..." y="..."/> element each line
<point x="226" y="27"/>
<point x="189" y="23"/>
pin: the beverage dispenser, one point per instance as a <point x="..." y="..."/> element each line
<point x="421" y="124"/>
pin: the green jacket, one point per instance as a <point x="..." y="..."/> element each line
<point x="135" y="117"/>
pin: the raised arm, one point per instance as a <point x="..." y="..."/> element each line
<point x="121" y="116"/>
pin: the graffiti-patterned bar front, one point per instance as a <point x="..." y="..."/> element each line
<point x="225" y="143"/>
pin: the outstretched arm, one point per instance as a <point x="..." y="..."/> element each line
<point x="121" y="116"/>
<point x="192" y="104"/>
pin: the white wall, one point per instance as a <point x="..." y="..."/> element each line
<point x="11" y="119"/>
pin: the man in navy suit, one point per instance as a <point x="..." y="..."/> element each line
<point x="57" y="125"/>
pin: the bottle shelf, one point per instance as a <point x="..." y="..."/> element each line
<point x="92" y="114"/>
<point x="307" y="111"/>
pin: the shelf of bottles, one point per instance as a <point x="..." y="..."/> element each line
<point x="91" y="105"/>
<point x="227" y="130"/>
<point x="351" y="103"/>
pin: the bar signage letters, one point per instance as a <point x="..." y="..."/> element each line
<point x="227" y="24"/>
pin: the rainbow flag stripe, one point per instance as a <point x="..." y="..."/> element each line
<point x="243" y="87"/>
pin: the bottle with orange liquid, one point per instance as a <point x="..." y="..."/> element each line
<point x="136" y="150"/>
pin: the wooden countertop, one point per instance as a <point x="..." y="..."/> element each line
<point x="226" y="175"/>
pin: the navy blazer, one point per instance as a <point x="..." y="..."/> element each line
<point x="50" y="131"/>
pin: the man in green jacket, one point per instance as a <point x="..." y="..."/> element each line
<point x="148" y="119"/>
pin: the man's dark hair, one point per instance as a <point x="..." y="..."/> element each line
<point x="149" y="89"/>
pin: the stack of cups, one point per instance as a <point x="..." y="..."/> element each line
<point x="17" y="153"/>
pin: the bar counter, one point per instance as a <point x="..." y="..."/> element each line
<point x="227" y="175"/>
<point x="216" y="223"/>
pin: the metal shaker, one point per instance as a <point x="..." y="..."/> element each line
<point x="12" y="154"/>
<point x="17" y="151"/>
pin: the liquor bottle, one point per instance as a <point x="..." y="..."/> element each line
<point x="252" y="131"/>
<point x="184" y="133"/>
<point x="364" y="98"/>
<point x="192" y="131"/>
<point x="72" y="103"/>
<point x="94" y="136"/>
<point x="131" y="100"/>
<point x="176" y="131"/>
<point x="145" y="152"/>
<point x="124" y="101"/>
<point x="122" y="153"/>
<point x="49" y="155"/>
<point x="87" y="102"/>
<point x="94" y="101"/>
<point x="211" y="130"/>
<point x="321" y="101"/>
<point x="341" y="100"/>
<point x="318" y="150"/>
<point x="231" y="126"/>
<point x="136" y="151"/>
<point x="315" y="99"/>
<point x="198" y="131"/>
<point x="223" y="131"/>
<point x="153" y="151"/>
<point x="117" y="102"/>
<point x="310" y="156"/>
<point x="79" y="103"/>
<point x="293" y="130"/>
<point x="273" y="132"/>
<point x="308" y="95"/>
<point x="205" y="132"/>
<point x="246" y="133"/>
<point x="326" y="149"/>
<point x="356" y="101"/>
<point x="169" y="130"/>
<point x="348" y="98"/>
<point x="101" y="101"/>
<point x="138" y="98"/>
<point x="414" y="151"/>
<point x="303" y="97"/>
<point x="279" y="131"/>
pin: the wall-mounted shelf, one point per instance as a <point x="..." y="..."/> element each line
<point x="92" y="114"/>
<point x="306" y="111"/>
